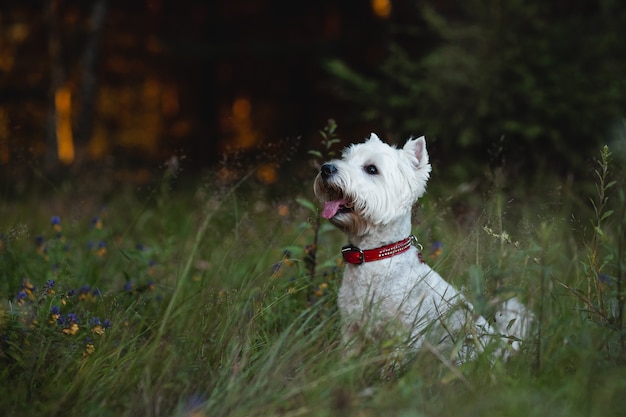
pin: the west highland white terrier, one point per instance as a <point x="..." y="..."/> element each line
<point x="388" y="292"/>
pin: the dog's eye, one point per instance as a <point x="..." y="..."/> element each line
<point x="371" y="169"/>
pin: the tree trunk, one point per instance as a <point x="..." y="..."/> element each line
<point x="88" y="89"/>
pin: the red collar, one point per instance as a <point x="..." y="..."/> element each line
<point x="353" y="255"/>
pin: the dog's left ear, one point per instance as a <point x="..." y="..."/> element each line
<point x="417" y="149"/>
<point x="374" y="138"/>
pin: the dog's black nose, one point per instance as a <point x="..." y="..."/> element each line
<point x="327" y="170"/>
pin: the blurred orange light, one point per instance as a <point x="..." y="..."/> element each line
<point x="245" y="135"/>
<point x="242" y="108"/>
<point x="381" y="8"/>
<point x="267" y="173"/>
<point x="283" y="210"/>
<point x="65" y="141"/>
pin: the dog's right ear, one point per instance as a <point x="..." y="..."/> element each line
<point x="417" y="148"/>
<point x="374" y="138"/>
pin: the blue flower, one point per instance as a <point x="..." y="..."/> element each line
<point x="436" y="250"/>
<point x="606" y="282"/>
<point x="102" y="248"/>
<point x="55" y="315"/>
<point x="194" y="404"/>
<point x="85" y="293"/>
<point x="96" y="223"/>
<point x="89" y="347"/>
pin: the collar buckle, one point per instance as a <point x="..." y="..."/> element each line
<point x="353" y="255"/>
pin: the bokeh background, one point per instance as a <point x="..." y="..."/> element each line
<point x="123" y="87"/>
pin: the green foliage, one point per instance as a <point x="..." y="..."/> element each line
<point x="603" y="297"/>
<point x="545" y="77"/>
<point x="329" y="139"/>
<point x="195" y="315"/>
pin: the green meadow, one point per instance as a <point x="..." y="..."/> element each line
<point x="213" y="298"/>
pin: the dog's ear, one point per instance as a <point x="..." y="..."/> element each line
<point x="374" y="138"/>
<point x="417" y="148"/>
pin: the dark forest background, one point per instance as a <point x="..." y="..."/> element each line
<point x="124" y="86"/>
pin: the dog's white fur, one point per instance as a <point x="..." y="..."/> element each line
<point x="369" y="194"/>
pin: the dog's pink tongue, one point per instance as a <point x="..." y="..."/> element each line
<point x="331" y="208"/>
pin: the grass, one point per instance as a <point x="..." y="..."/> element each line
<point x="215" y="302"/>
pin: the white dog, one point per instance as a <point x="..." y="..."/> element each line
<point x="387" y="290"/>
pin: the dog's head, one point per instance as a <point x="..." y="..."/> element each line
<point x="372" y="184"/>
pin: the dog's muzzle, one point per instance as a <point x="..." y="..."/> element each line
<point x="334" y="200"/>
